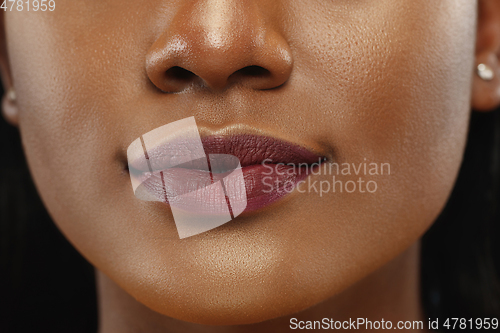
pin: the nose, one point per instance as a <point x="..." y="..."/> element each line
<point x="218" y="43"/>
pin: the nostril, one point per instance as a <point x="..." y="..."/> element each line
<point x="253" y="71"/>
<point x="258" y="77"/>
<point x="178" y="74"/>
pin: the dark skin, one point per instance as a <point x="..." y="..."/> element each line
<point x="389" y="81"/>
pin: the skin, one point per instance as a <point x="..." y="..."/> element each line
<point x="386" y="81"/>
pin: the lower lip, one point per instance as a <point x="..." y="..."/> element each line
<point x="264" y="184"/>
<point x="267" y="184"/>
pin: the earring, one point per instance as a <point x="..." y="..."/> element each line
<point x="11" y="95"/>
<point x="485" y="72"/>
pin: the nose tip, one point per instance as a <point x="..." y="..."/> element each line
<point x="235" y="48"/>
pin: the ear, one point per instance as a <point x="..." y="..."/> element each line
<point x="9" y="104"/>
<point x="486" y="93"/>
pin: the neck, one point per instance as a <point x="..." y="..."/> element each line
<point x="392" y="293"/>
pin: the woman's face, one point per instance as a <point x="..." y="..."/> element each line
<point x="384" y="81"/>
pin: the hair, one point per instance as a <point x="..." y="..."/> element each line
<point x="460" y="253"/>
<point x="47" y="286"/>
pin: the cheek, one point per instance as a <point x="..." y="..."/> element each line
<point x="392" y="89"/>
<point x="77" y="87"/>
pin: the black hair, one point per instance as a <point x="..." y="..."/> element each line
<point x="461" y="251"/>
<point x="46" y="286"/>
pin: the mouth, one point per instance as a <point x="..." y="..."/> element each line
<point x="270" y="170"/>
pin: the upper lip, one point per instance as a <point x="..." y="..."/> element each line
<point x="248" y="148"/>
<point x="252" y="149"/>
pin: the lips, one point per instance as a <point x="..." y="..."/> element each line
<point x="271" y="170"/>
